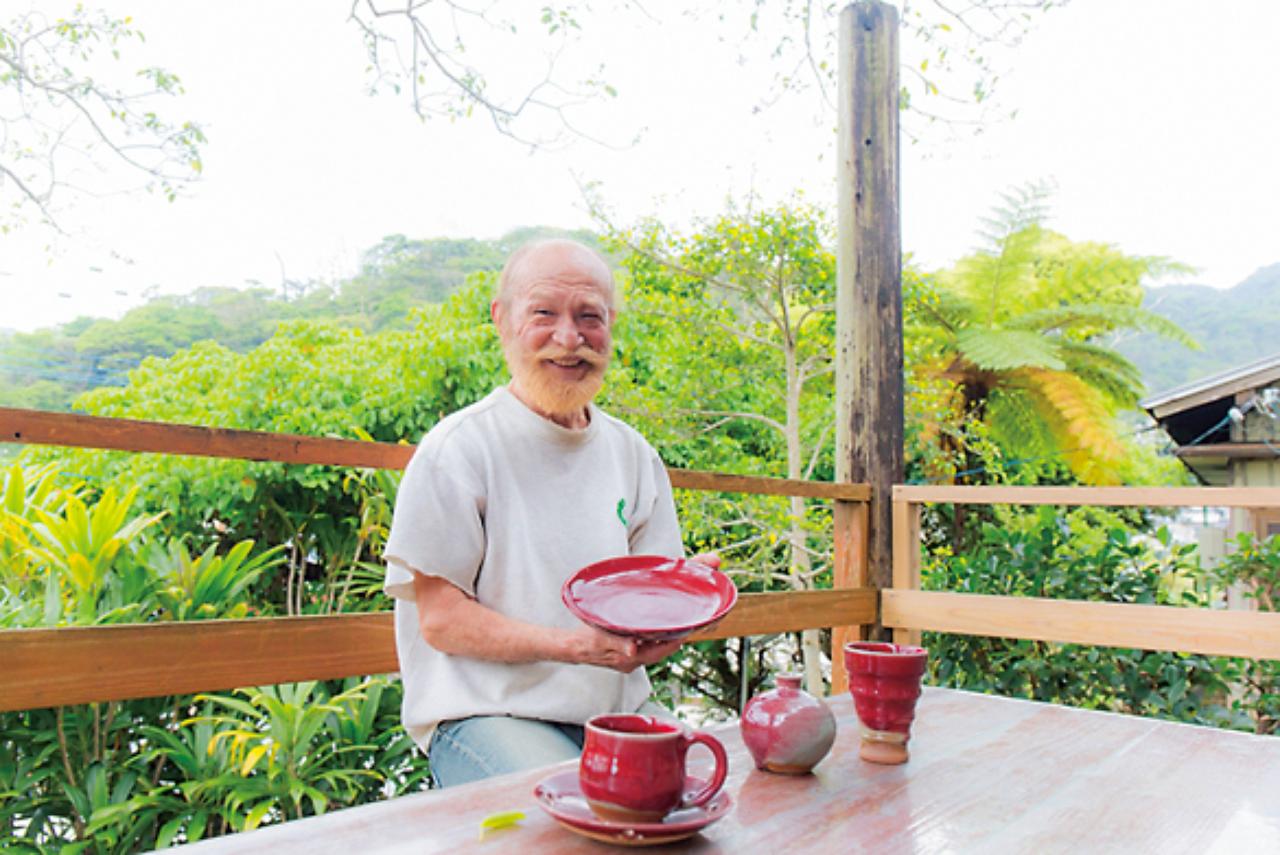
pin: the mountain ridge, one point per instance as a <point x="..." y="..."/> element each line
<point x="1234" y="326"/>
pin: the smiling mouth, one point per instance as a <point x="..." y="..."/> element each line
<point x="567" y="365"/>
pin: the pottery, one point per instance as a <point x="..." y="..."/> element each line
<point x="649" y="597"/>
<point x="633" y="768"/>
<point x="560" y="795"/>
<point x="787" y="730"/>
<point x="885" y="681"/>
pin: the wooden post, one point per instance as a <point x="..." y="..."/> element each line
<point x="849" y="571"/>
<point x="869" y="382"/>
<point x="906" y="559"/>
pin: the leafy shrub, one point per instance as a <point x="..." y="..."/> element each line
<point x="1253" y="567"/>
<point x="141" y="774"/>
<point x="1080" y="555"/>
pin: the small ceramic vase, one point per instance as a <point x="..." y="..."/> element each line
<point x="885" y="681"/>
<point x="786" y="729"/>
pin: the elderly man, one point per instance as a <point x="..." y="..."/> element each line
<point x="502" y="502"/>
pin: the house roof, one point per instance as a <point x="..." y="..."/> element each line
<point x="1195" y="416"/>
<point x="1211" y="389"/>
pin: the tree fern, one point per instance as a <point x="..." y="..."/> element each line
<point x="1082" y="424"/>
<point x="1003" y="350"/>
<point x="1106" y="370"/>
<point x="1019" y="426"/>
<point x="1017" y="330"/>
<point x="1101" y="317"/>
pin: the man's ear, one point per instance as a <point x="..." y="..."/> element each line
<point x="495" y="312"/>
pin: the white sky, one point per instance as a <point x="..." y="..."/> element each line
<point x="1157" y="121"/>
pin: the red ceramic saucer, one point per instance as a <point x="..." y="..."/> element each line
<point x="561" y="797"/>
<point x="649" y="596"/>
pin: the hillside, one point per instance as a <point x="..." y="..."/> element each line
<point x="1233" y="326"/>
<point x="48" y="368"/>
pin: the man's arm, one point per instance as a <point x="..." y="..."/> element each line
<point x="454" y="623"/>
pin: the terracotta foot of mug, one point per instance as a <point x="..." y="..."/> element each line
<point x="887" y="749"/>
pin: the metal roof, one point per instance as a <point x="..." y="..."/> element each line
<point x="1212" y="388"/>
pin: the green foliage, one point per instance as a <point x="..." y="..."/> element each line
<point x="1011" y="346"/>
<point x="1253" y="568"/>
<point x="209" y="585"/>
<point x="1082" y="555"/>
<point x="140" y="775"/>
<point x="724" y="362"/>
<point x="286" y="755"/>
<point x="316" y="379"/>
<point x="48" y="368"/>
<point x="79" y="546"/>
<point x="122" y="777"/>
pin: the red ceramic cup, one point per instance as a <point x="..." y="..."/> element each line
<point x="885" y="681"/>
<point x="633" y="767"/>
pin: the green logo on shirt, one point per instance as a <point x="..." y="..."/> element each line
<point x="622" y="506"/>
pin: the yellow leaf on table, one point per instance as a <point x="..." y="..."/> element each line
<point x="496" y="821"/>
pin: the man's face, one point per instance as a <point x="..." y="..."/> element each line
<point x="555" y="330"/>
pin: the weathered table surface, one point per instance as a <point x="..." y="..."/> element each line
<point x="986" y="775"/>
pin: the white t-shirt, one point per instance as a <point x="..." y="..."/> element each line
<point x="507" y="505"/>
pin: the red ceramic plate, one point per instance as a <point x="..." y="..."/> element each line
<point x="560" y="796"/>
<point x="649" y="596"/>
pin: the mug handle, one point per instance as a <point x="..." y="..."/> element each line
<point x="702" y="796"/>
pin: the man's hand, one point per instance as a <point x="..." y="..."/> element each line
<point x="710" y="559"/>
<point x="453" y="623"/>
<point x="593" y="646"/>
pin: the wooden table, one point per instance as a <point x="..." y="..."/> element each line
<point x="986" y="775"/>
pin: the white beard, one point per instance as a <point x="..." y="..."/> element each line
<point x="551" y="395"/>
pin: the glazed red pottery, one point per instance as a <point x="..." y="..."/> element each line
<point x="885" y="681"/>
<point x="786" y="729"/>
<point x="560" y="795"/>
<point x="649" y="596"/>
<point x="633" y="768"/>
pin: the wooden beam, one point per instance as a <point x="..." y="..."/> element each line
<point x="849" y="570"/>
<point x="692" y="479"/>
<point x="869" y="366"/>
<point x="72" y="429"/>
<point x="75" y="665"/>
<point x="1230" y="451"/>
<point x="1187" y="497"/>
<point x="906" y="562"/>
<point x="792" y="611"/>
<point x="1212" y="632"/>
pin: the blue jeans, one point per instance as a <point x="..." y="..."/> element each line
<point x="468" y="749"/>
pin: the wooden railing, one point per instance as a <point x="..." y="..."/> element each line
<point x="50" y="667"/>
<point x="1213" y="632"/>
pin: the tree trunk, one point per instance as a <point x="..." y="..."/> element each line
<point x="799" y="563"/>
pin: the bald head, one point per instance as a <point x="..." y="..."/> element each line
<point x="555" y="258"/>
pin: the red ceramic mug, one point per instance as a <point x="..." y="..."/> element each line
<point x="633" y="767"/>
<point x="885" y="681"/>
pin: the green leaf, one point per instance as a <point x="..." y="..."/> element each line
<point x="1002" y="350"/>
<point x="497" y="821"/>
<point x="257" y="814"/>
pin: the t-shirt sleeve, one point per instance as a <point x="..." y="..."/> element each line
<point x="437" y="527"/>
<point x="656" y="532"/>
